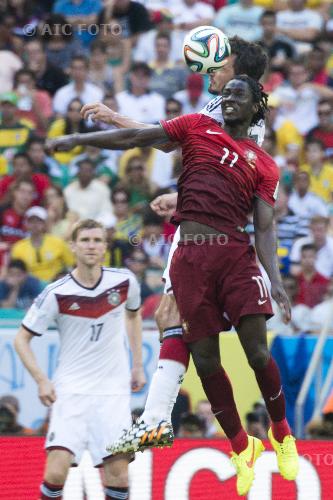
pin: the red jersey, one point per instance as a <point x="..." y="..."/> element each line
<point x="12" y="227"/>
<point x="221" y="176"/>
<point x="311" y="292"/>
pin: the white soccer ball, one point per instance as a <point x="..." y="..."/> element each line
<point x="206" y="49"/>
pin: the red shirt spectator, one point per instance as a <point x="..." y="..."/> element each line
<point x="23" y="168"/>
<point x="324" y="130"/>
<point x="312" y="286"/>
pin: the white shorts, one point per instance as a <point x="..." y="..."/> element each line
<point x="82" y="422"/>
<point x="166" y="273"/>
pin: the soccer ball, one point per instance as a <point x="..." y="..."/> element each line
<point x="206" y="49"/>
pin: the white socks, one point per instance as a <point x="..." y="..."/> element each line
<point x="163" y="391"/>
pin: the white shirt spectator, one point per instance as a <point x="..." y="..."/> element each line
<point x="241" y="21"/>
<point x="9" y="64"/>
<point x="324" y="257"/>
<point x="63" y="96"/>
<point x="184" y="13"/>
<point x="92" y="202"/>
<point x="182" y="96"/>
<point x="299" y="20"/>
<point x="320" y="314"/>
<point x="147" y="108"/>
<point x="145" y="48"/>
<point x="307" y="206"/>
<point x="298" y="106"/>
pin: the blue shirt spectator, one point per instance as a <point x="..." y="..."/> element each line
<point x="82" y="14"/>
<point x="18" y="289"/>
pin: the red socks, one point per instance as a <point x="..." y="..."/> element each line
<point x="173" y="346"/>
<point x="218" y="390"/>
<point x="269" y="382"/>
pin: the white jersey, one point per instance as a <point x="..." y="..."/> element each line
<point x="256" y="132"/>
<point x="93" y="356"/>
<point x="213" y="110"/>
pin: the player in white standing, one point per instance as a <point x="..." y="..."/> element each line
<point x="90" y="394"/>
<point x="154" y="428"/>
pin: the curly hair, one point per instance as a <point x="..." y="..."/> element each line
<point x="251" y="59"/>
<point x="259" y="97"/>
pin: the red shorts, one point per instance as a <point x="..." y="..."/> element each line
<point x="215" y="285"/>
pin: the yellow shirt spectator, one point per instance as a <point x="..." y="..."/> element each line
<point x="321" y="184"/>
<point x="287" y="135"/>
<point x="46" y="261"/>
<point x="58" y="128"/>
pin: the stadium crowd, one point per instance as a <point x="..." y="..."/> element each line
<point x="56" y="56"/>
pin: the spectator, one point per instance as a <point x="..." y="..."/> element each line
<point x="49" y="77"/>
<point x="60" y="219"/>
<point x="79" y="87"/>
<point x="298" y="102"/>
<point x="18" y="289"/>
<point x="320" y="172"/>
<point x="25" y="13"/>
<point x="9" y="61"/>
<point x="167" y="78"/>
<point x="105" y="161"/>
<point x="44" y="164"/>
<point x="299" y="23"/>
<point x="204" y="411"/>
<point x="193" y="98"/>
<point x="45" y="255"/>
<point x="323" y="245"/>
<point x="289" y="141"/>
<point x="118" y="249"/>
<point x="9" y="411"/>
<point x="191" y="427"/>
<point x="71" y="123"/>
<point x="138" y="263"/>
<point x="322" y="313"/>
<point x="279" y="48"/>
<point x="23" y="168"/>
<point x="81" y="194"/>
<point x="139" y="103"/>
<point x="289" y="226"/>
<point x="312" y="286"/>
<point x="133" y="17"/>
<point x="316" y="61"/>
<point x="145" y="48"/>
<point x="128" y="225"/>
<point x="139" y="187"/>
<point x="241" y="19"/>
<point x="101" y="73"/>
<point x="324" y="130"/>
<point x="60" y="43"/>
<point x="81" y="14"/>
<point x="189" y="14"/>
<point x="153" y="241"/>
<point x="255" y="426"/>
<point x="15" y="133"/>
<point x="12" y="223"/>
<point x="303" y="203"/>
<point x="33" y="104"/>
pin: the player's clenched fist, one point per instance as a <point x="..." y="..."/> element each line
<point x="165" y="204"/>
<point x="62" y="143"/>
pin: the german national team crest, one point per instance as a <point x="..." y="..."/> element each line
<point x="251" y="158"/>
<point x="114" y="298"/>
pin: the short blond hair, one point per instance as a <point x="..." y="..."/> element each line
<point x="86" y="224"/>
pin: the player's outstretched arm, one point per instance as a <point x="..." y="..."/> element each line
<point x="110" y="139"/>
<point x="266" y="246"/>
<point x="46" y="390"/>
<point x="98" y="112"/>
<point x="134" y="332"/>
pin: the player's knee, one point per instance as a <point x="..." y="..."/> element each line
<point x="205" y="363"/>
<point x="118" y="478"/>
<point x="56" y="475"/>
<point x="259" y="359"/>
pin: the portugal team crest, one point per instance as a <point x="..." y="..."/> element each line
<point x="251" y="158"/>
<point x="114" y="298"/>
